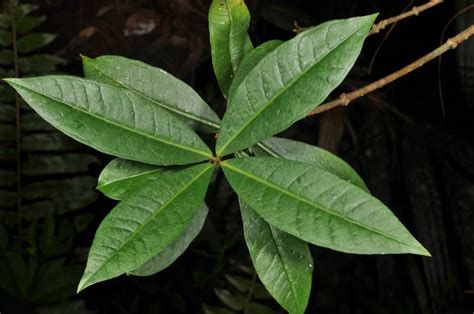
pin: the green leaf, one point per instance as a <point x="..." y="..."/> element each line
<point x="28" y="23"/>
<point x="5" y="21"/>
<point x="290" y="81"/>
<point x="55" y="282"/>
<point x="82" y="221"/>
<point x="49" y="142"/>
<point x="282" y="261"/>
<point x="6" y="94"/>
<point x="121" y="177"/>
<point x="257" y="308"/>
<point x="171" y="253"/>
<point x="215" y="310"/>
<point x="244" y="285"/>
<point x="7" y="113"/>
<point x="156" y="86"/>
<point x="313" y="155"/>
<point x="250" y="61"/>
<point x="34" y="41"/>
<point x="145" y="223"/>
<point x="318" y="207"/>
<point x="112" y="120"/>
<point x="25" y="9"/>
<point x="66" y="187"/>
<point x="236" y="302"/>
<point x="6" y="72"/>
<point x="32" y="122"/>
<point x="229" y="22"/>
<point x="58" y="164"/>
<point x="39" y="63"/>
<point x="5" y="38"/>
<point x="6" y="57"/>
<point x="7" y="178"/>
<point x="7" y="133"/>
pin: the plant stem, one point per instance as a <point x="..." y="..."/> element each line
<point x="415" y="11"/>
<point x="17" y="124"/>
<point x="345" y="99"/>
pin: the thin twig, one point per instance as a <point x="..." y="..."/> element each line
<point x="345" y="99"/>
<point x="390" y="30"/>
<point x="415" y="11"/>
<point x="18" y="124"/>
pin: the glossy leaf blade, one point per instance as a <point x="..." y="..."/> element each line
<point x="112" y="120"/>
<point x="282" y="261"/>
<point x="155" y="85"/>
<point x="318" y="207"/>
<point x="34" y="41"/>
<point x="145" y="223"/>
<point x="313" y="155"/>
<point x="122" y="177"/>
<point x="290" y="81"/>
<point x="166" y="257"/>
<point x="250" y="61"/>
<point x="228" y="29"/>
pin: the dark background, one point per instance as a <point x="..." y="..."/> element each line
<point x="418" y="162"/>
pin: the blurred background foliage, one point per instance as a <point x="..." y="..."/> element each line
<point x="418" y="162"/>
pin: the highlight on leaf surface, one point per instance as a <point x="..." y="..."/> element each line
<point x="318" y="207"/>
<point x="146" y="116"/>
<point x="156" y="86"/>
<point x="282" y="261"/>
<point x="290" y="81"/>
<point x="169" y="255"/>
<point x="123" y="177"/>
<point x="313" y="155"/>
<point x="112" y="120"/>
<point x="229" y="21"/>
<point x="146" y="223"/>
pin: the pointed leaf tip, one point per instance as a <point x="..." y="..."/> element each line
<point x="318" y="207"/>
<point x="290" y="81"/>
<point x="146" y="223"/>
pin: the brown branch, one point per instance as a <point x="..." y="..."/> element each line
<point x="415" y="11"/>
<point x="390" y="30"/>
<point x="17" y="123"/>
<point x="344" y="99"/>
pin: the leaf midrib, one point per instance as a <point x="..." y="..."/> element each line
<point x="148" y="220"/>
<point x="309" y="202"/>
<point x="128" y="177"/>
<point x="159" y="104"/>
<point x="158" y="139"/>
<point x="280" y="255"/>
<point x="280" y="92"/>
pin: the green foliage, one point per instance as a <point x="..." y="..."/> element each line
<point x="291" y="193"/>
<point x="40" y="270"/>
<point x="318" y="207"/>
<point x="279" y="257"/>
<point x="242" y="293"/>
<point x="112" y="120"/>
<point x="229" y="21"/>
<point x="301" y="72"/>
<point x="172" y="94"/>
<point x="146" y="221"/>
